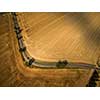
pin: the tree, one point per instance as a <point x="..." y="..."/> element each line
<point x="61" y="64"/>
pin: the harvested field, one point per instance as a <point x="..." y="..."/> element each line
<point x="59" y="36"/>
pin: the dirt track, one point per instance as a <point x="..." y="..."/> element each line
<point x="18" y="75"/>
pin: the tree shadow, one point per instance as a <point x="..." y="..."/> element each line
<point x="93" y="79"/>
